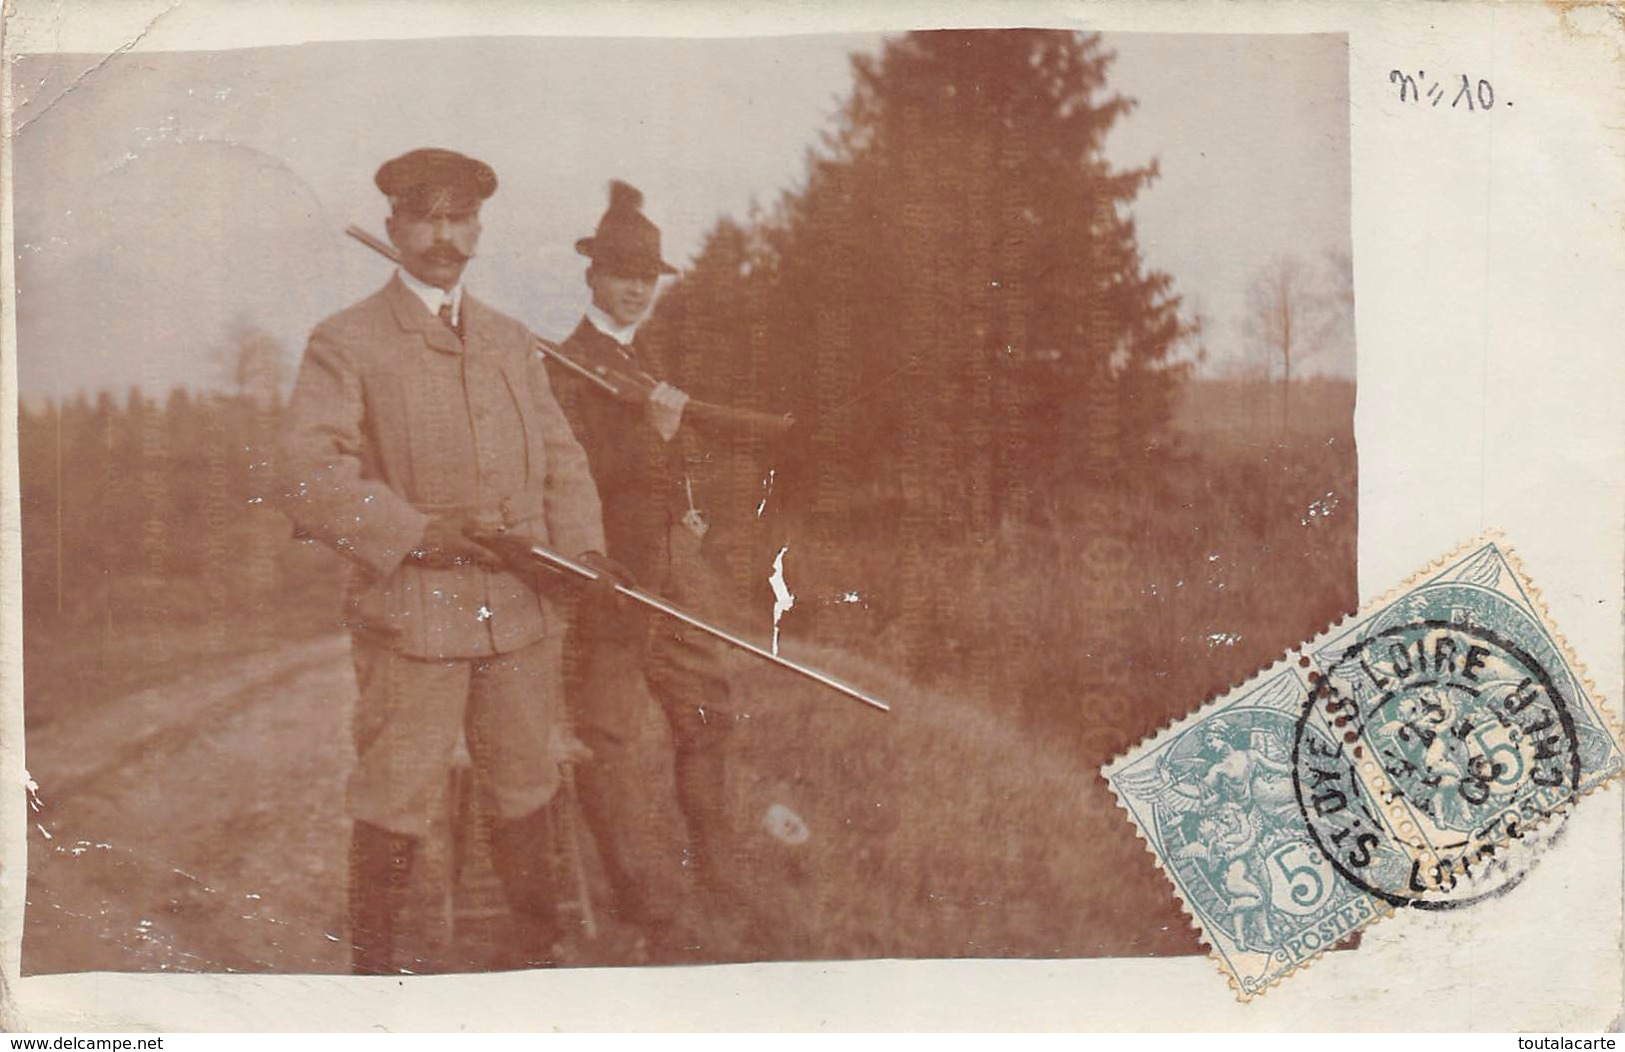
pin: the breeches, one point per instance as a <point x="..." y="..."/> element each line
<point x="621" y="659"/>
<point x="680" y="666"/>
<point x="612" y="648"/>
<point x="626" y="804"/>
<point x="411" y="711"/>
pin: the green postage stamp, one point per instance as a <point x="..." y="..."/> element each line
<point x="1412" y="756"/>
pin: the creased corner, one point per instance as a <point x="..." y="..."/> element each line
<point x="84" y="74"/>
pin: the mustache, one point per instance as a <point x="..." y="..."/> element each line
<point x="447" y="254"/>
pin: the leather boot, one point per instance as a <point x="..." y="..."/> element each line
<point x="521" y="854"/>
<point x="380" y="884"/>
<point x="701" y="776"/>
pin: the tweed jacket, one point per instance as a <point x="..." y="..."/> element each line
<point x="394" y="417"/>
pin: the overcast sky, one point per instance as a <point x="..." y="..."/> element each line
<point x="168" y="195"/>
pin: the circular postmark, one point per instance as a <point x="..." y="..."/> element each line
<point x="1499" y="872"/>
<point x="1425" y="753"/>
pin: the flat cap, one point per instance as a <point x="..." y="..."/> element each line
<point x="433" y="178"/>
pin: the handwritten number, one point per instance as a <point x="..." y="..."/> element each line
<point x="1465" y="92"/>
<point x="1479" y="95"/>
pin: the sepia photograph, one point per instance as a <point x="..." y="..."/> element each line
<point x="499" y="503"/>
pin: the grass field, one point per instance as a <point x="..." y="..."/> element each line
<point x="953" y="828"/>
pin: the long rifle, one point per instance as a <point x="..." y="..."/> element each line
<point x="535" y="553"/>
<point x="621" y="379"/>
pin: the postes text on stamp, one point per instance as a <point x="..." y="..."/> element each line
<point x="1413" y="755"/>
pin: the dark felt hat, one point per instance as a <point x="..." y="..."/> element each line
<point x="625" y="241"/>
<point x="430" y="179"/>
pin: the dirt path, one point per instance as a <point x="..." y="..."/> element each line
<point x="197" y="826"/>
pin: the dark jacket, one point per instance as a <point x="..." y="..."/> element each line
<point x="644" y="482"/>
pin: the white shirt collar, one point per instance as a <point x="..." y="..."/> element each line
<point x="433" y="296"/>
<point x="605" y="324"/>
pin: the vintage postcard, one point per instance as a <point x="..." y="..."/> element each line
<point x="638" y="506"/>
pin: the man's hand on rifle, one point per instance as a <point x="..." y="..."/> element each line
<point x="446" y="543"/>
<point x="513" y="550"/>
<point x="666" y="409"/>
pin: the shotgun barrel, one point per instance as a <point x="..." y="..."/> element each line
<point x="544" y="557"/>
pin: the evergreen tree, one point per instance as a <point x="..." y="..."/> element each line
<point x="960" y="251"/>
<point x="953" y="304"/>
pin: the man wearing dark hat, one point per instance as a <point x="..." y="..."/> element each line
<point x="641" y="457"/>
<point x="421" y="413"/>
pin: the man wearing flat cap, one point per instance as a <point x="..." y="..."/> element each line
<point x="643" y="458"/>
<point x="421" y="415"/>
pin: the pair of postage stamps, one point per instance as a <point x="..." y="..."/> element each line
<point x="1417" y="755"/>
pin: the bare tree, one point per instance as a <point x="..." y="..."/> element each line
<point x="1282" y="312"/>
<point x="1296" y="308"/>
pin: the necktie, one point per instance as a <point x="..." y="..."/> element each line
<point x="445" y="316"/>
